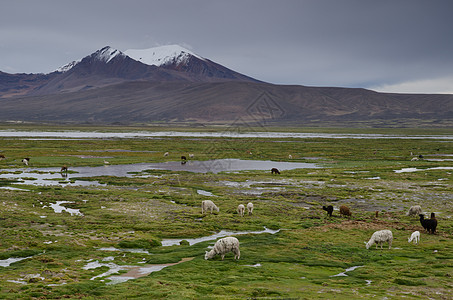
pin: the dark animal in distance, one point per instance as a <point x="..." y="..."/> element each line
<point x="2" y="156"/>
<point x="429" y="225"/>
<point x="183" y="157"/>
<point x="328" y="209"/>
<point x="275" y="171"/>
<point x="344" y="210"/>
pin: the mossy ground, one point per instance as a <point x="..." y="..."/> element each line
<point x="297" y="262"/>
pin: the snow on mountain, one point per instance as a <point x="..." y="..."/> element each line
<point x="105" y="54"/>
<point x="68" y="67"/>
<point x="163" y="55"/>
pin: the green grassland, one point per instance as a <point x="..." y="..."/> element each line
<point x="298" y="262"/>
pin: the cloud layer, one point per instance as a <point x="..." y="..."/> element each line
<point x="395" y="46"/>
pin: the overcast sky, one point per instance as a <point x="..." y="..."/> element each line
<point x="385" y="45"/>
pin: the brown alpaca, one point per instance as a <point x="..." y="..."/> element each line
<point x="344" y="210"/>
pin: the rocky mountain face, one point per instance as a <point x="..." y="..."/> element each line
<point x="172" y="84"/>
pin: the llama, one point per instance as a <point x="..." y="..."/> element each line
<point x="208" y="205"/>
<point x="166" y="154"/>
<point x="380" y="237"/>
<point x="328" y="209"/>
<point x="414" y="210"/>
<point x="415" y="236"/>
<point x="429" y="225"/>
<point x="344" y="210"/>
<point x="241" y="209"/>
<point x="275" y="171"/>
<point x="223" y="246"/>
<point x="250" y="208"/>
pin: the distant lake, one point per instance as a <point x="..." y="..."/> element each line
<point x="51" y="176"/>
<point x="225" y="134"/>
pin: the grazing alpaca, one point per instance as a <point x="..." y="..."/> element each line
<point x="376" y="214"/>
<point x="344" y="210"/>
<point x="183" y="157"/>
<point x="2" y="156"/>
<point x="26" y="161"/>
<point x="223" y="246"/>
<point x="379" y="237"/>
<point x="415" y="236"/>
<point x="250" y="208"/>
<point x="275" y="171"/>
<point x="64" y="169"/>
<point x="328" y="209"/>
<point x="208" y="205"/>
<point x="166" y="154"/>
<point x="429" y="225"/>
<point x="414" y="210"/>
<point x="241" y="209"/>
<point x="290" y="156"/>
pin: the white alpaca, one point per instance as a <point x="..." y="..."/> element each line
<point x="166" y="154"/>
<point x="415" y="236"/>
<point x="191" y="155"/>
<point x="241" y="209"/>
<point x="414" y="210"/>
<point x="26" y="161"/>
<point x="250" y="208"/>
<point x="379" y="237"/>
<point x="208" y="204"/>
<point x="223" y="246"/>
<point x="414" y="159"/>
<point x="290" y="156"/>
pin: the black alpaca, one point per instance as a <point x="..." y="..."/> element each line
<point x="429" y="225"/>
<point x="275" y="171"/>
<point x="328" y="209"/>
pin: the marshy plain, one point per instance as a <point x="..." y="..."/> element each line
<point x="125" y="220"/>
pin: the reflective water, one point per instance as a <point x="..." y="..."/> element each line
<point x="347" y="270"/>
<point x="223" y="233"/>
<point x="7" y="262"/>
<point x="227" y="134"/>
<point x="51" y="176"/>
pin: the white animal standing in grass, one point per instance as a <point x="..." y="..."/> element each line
<point x="208" y="205"/>
<point x="415" y="236"/>
<point x="380" y="237"/>
<point x="241" y="209"/>
<point x="223" y="246"/>
<point x="414" y="210"/>
<point x="25" y="161"/>
<point x="166" y="154"/>
<point x="250" y="208"/>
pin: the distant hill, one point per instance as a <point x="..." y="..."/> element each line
<point x="173" y="84"/>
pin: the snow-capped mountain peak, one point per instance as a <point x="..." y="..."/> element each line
<point x="163" y="55"/>
<point x="68" y="66"/>
<point x="107" y="53"/>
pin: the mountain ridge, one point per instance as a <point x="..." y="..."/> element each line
<point x="109" y="87"/>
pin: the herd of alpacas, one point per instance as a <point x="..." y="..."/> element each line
<point x="386" y="236"/>
<point x="231" y="244"/>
